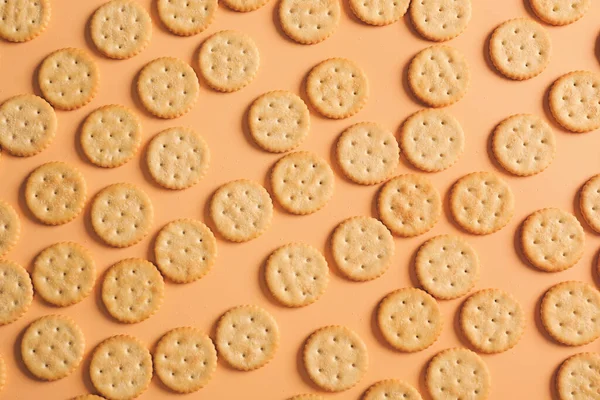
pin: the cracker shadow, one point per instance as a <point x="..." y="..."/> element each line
<point x="328" y="254"/>
<point x="35" y="80"/>
<point x="597" y="48"/>
<point x="403" y="160"/>
<point x="143" y="165"/>
<point x="579" y="215"/>
<point x="77" y="143"/>
<point x="413" y="30"/>
<point x="85" y="372"/>
<point x="447" y="209"/>
<point x="300" y="367"/>
<point x="135" y="97"/>
<point x="245" y="125"/>
<point x="213" y="336"/>
<point x="267" y="185"/>
<point x="596" y="269"/>
<point x="517" y="237"/>
<point x="87" y="221"/>
<point x="412" y="270"/>
<point x="87" y="35"/>
<point x="456" y="324"/>
<point x="406" y="85"/>
<point x="262" y="281"/>
<point x="208" y="218"/>
<point x="538" y="320"/>
<point x="98" y="298"/>
<point x="17" y="355"/>
<point x="376" y="331"/>
<point x="488" y="58"/>
<point x="548" y="112"/>
<point x="23" y="202"/>
<point x="530" y="12"/>
<point x="195" y="64"/>
<point x="375" y="202"/>
<point x="303" y="93"/>
<point x="347" y="9"/>
<point x="277" y="23"/>
<point x="491" y="156"/>
<point x="150" y="254"/>
<point x="552" y="382"/>
<point x="157" y="22"/>
<point x="423" y="381"/>
<point x="334" y="161"/>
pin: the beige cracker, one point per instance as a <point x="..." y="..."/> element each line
<point x="440" y="20"/>
<point x="335" y="358"/>
<point x="524" y="144"/>
<point x="367" y="153"/>
<point x="247" y="337"/>
<point x="168" y="87"/>
<point x="337" y="88"/>
<point x="302" y="182"/>
<point x="121" y="28"/>
<point x="122" y="214"/>
<point x="458" y="374"/>
<point x="570" y="312"/>
<point x="379" y="12"/>
<point x="447" y="267"/>
<point x="185" y="359"/>
<point x="520" y="48"/>
<point x="575" y="101"/>
<point x="55" y="193"/>
<point x="186" y="17"/>
<point x="23" y="20"/>
<point x="560" y="12"/>
<point x="578" y="377"/>
<point x="229" y="60"/>
<point x="27" y="125"/>
<point x="177" y="158"/>
<point x="309" y="21"/>
<point x="296" y="274"/>
<point x="432" y="140"/>
<point x="279" y="121"/>
<point x="409" y="319"/>
<point x="185" y="250"/>
<point x="307" y="397"/>
<point x="111" y="136"/>
<point x="88" y="397"/>
<point x="241" y="210"/>
<point x="10" y="227"/>
<point x="391" y="389"/>
<point x="121" y="367"/>
<point x="481" y="203"/>
<point x="362" y="248"/>
<point x="69" y="78"/>
<point x="52" y="347"/>
<point x="589" y="203"/>
<point x="492" y="320"/>
<point x="409" y="205"/>
<point x="244" y="5"/>
<point x="64" y="273"/>
<point x="439" y="76"/>
<point x="552" y="239"/>
<point x="16" y="291"/>
<point x="133" y="290"/>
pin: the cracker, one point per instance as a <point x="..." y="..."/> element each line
<point x="520" y="48"/>
<point x="432" y="140"/>
<point x="409" y="319"/>
<point x="439" y="76"/>
<point x="244" y="5"/>
<point x="481" y="203"/>
<point x="121" y="29"/>
<point x="133" y="290"/>
<point x="409" y="205"/>
<point x="16" y="291"/>
<point x="55" y="193"/>
<point x="578" y="377"/>
<point x="492" y="320"/>
<point x="122" y="214"/>
<point x="168" y="87"/>
<point x="185" y="359"/>
<point x="279" y="121"/>
<point x="570" y="313"/>
<point x="302" y="182"/>
<point x="391" y="389"/>
<point x="524" y="144"/>
<point x="379" y="12"/>
<point x="185" y="250"/>
<point x="307" y="397"/>
<point x="88" y="397"/>
<point x="575" y="101"/>
<point x="367" y="153"/>
<point x="560" y="12"/>
<point x="589" y="203"/>
<point x="296" y="274"/>
<point x="52" y="347"/>
<point x="229" y="60"/>
<point x="23" y="20"/>
<point x="335" y="358"/>
<point x="121" y="367"/>
<point x="27" y="125"/>
<point x="69" y="78"/>
<point x="458" y="374"/>
<point x="2" y="373"/>
<point x="186" y="17"/>
<point x="10" y="227"/>
<point x="447" y="267"/>
<point x="552" y="239"/>
<point x="111" y="136"/>
<point x="337" y="88"/>
<point x="241" y="210"/>
<point x="64" y="274"/>
<point x="247" y="337"/>
<point x="309" y="21"/>
<point x="440" y="20"/>
<point x="363" y="248"/>
<point x="177" y="158"/>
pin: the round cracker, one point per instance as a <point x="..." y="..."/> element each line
<point x="589" y="202"/>
<point x="10" y="227"/>
<point x="244" y="5"/>
<point x="440" y="20"/>
<point x="574" y="100"/>
<point x="16" y="291"/>
<point x="391" y="389"/>
<point x="578" y="377"/>
<point x="309" y="21"/>
<point x="560" y="12"/>
<point x="186" y="17"/>
<point x="379" y="12"/>
<point x="23" y="20"/>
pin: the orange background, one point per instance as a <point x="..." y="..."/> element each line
<point x="525" y="372"/>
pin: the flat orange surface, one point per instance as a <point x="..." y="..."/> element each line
<point x="525" y="372"/>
